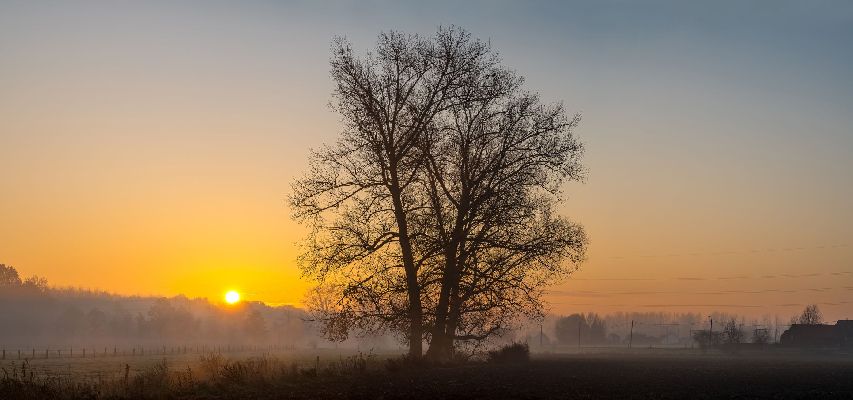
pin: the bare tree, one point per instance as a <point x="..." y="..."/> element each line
<point x="9" y="276"/>
<point x="495" y="167"/>
<point x="433" y="215"/>
<point x="760" y="336"/>
<point x="811" y="315"/>
<point x="255" y="325"/>
<point x="359" y="195"/>
<point x="732" y="332"/>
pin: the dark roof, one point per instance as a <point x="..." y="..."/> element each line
<point x="818" y="334"/>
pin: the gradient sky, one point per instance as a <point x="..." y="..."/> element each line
<point x="148" y="147"/>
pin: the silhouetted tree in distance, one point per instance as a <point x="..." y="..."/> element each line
<point x="706" y="338"/>
<point x="255" y="325"/>
<point x="732" y="332"/>
<point x="591" y="328"/>
<point x="433" y="215"/>
<point x="9" y="276"/>
<point x="760" y="336"/>
<point x="811" y="315"/>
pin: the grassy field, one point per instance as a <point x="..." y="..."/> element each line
<point x="641" y="374"/>
<point x="113" y="366"/>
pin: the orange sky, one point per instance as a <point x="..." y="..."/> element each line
<point x="148" y="148"/>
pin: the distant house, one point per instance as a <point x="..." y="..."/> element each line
<point x="802" y="335"/>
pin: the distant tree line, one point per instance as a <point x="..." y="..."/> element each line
<point x="658" y="328"/>
<point x="32" y="313"/>
<point x="579" y="328"/>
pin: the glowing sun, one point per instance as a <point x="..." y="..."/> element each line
<point x="232" y="297"/>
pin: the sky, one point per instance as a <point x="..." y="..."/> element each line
<point x="148" y="147"/>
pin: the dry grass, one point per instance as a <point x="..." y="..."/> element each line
<point x="629" y="375"/>
<point x="213" y="374"/>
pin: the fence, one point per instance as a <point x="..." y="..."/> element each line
<point x="61" y="352"/>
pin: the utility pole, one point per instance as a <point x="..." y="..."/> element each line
<point x="711" y="332"/>
<point x="631" y="335"/>
<point x="776" y="330"/>
<point x="540" y="335"/>
<point x="579" y="335"/>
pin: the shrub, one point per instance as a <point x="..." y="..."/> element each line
<point x="707" y="339"/>
<point x="153" y="381"/>
<point x="511" y="353"/>
<point x="405" y="362"/>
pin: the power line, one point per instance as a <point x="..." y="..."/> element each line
<point x="731" y="252"/>
<point x="723" y="278"/>
<point x="837" y="303"/>
<point x="698" y="293"/>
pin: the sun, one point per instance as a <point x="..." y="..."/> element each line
<point x="232" y="297"/>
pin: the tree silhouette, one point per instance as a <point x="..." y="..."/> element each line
<point x="811" y="315"/>
<point x="433" y="215"/>
<point x="255" y="325"/>
<point x="494" y="170"/>
<point x="9" y="276"/>
<point x="732" y="332"/>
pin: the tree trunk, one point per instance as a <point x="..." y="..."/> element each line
<point x="412" y="286"/>
<point x="441" y="346"/>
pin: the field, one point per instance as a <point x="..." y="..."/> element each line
<point x="108" y="366"/>
<point x="667" y="374"/>
<point x="609" y="376"/>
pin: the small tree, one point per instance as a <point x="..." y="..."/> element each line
<point x="811" y="315"/>
<point x="568" y="328"/>
<point x="760" y="336"/>
<point x="9" y="276"/>
<point x="706" y="339"/>
<point x="732" y="332"/>
<point x="255" y="325"/>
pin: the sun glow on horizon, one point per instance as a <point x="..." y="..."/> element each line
<point x="232" y="297"/>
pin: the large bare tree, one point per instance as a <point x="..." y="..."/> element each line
<point x="358" y="195"/>
<point x="494" y="171"/>
<point x="433" y="215"/>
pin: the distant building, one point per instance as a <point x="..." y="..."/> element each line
<point x="802" y="335"/>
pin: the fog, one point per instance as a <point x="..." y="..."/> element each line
<point x="36" y="315"/>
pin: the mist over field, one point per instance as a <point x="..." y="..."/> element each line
<point x="34" y="314"/>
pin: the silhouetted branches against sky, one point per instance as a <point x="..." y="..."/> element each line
<point x="433" y="214"/>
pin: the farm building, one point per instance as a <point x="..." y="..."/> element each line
<point x="819" y="335"/>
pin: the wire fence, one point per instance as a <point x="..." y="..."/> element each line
<point x="69" y="352"/>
